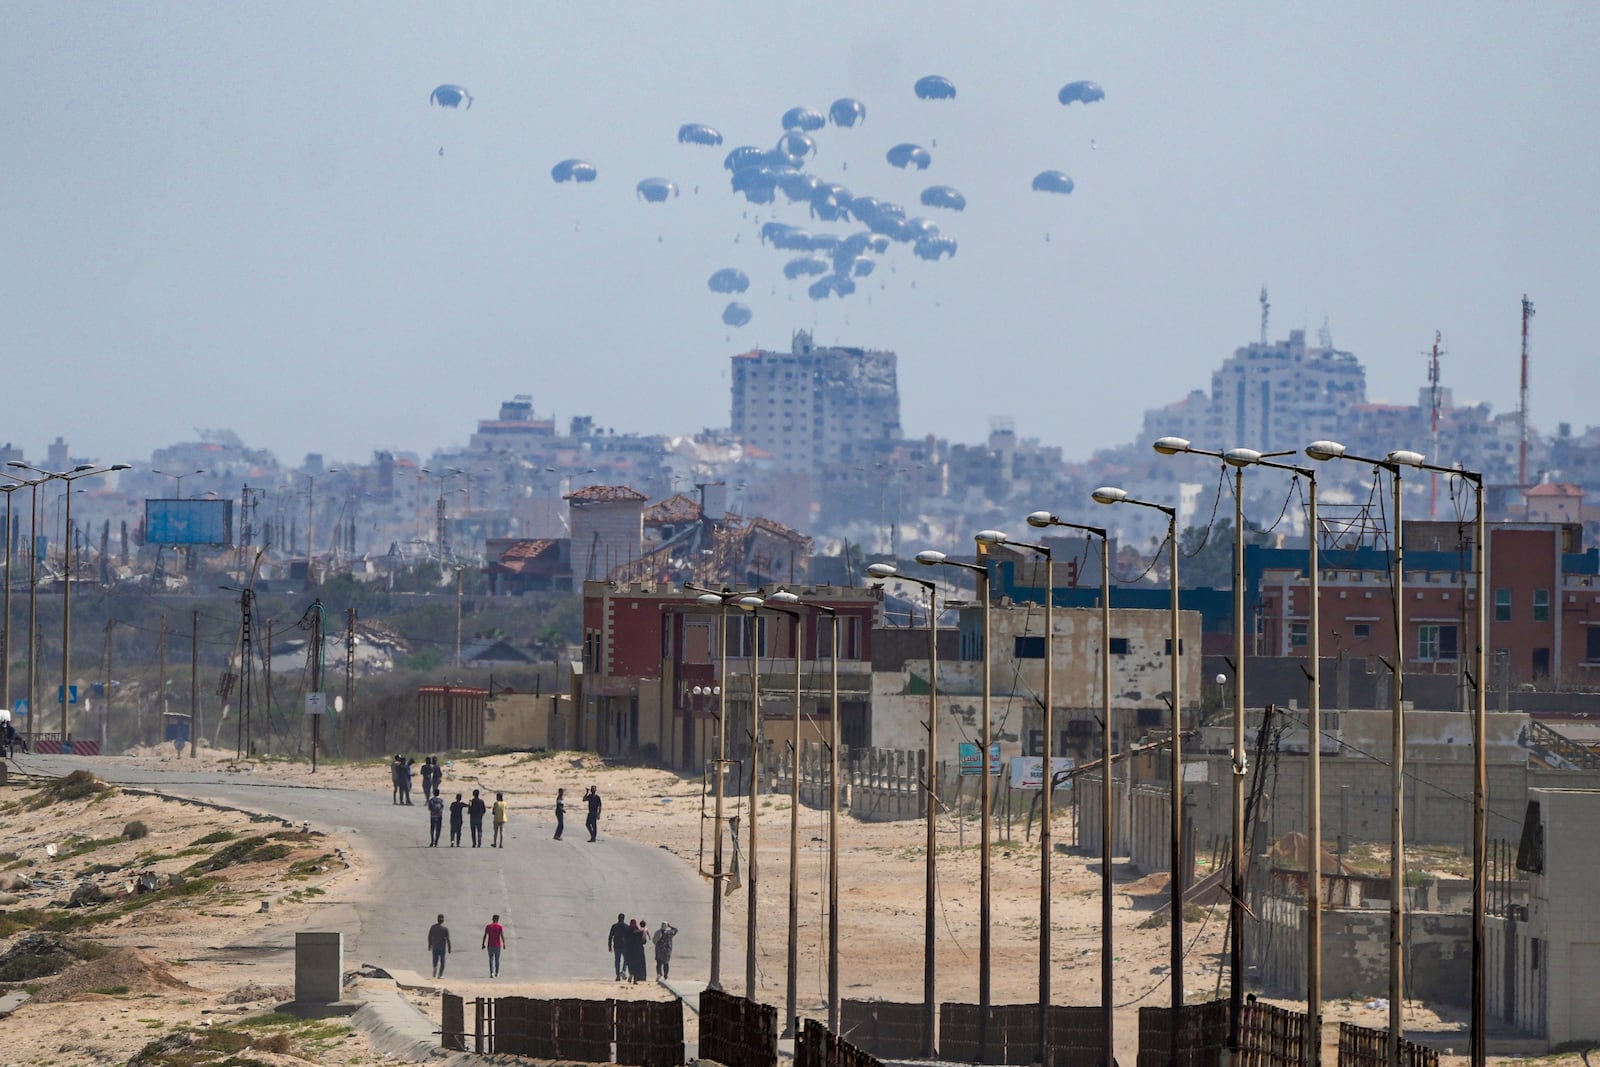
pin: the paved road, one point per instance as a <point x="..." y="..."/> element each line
<point x="556" y="898"/>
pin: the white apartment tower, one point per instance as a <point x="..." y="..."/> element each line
<point x="1270" y="396"/>
<point x="813" y="406"/>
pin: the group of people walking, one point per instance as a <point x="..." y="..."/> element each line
<point x="627" y="940"/>
<point x="472" y="811"/>
<point x="403" y="773"/>
<point x="494" y="943"/>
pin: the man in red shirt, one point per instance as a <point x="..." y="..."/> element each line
<point x="494" y="939"/>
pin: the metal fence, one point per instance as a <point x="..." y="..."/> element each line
<point x="883" y="1028"/>
<point x="644" y="1032"/>
<point x="1361" y="1046"/>
<point x="1202" y="1035"/>
<point x="816" y="1046"/>
<point x="736" y="1031"/>
<point x="1270" y="1036"/>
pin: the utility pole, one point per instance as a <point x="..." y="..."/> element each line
<point x="194" y="685"/>
<point x="162" y="683"/>
<point x="315" y="615"/>
<point x="1522" y="406"/>
<point x="349" y="656"/>
<point x="459" y="572"/>
<point x="268" y="659"/>
<point x="105" y="712"/>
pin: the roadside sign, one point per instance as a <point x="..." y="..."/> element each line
<point x="316" y="703"/>
<point x="72" y="694"/>
<point x="971" y="758"/>
<point x="1027" y="772"/>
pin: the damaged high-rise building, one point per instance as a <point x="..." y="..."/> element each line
<point x="813" y="405"/>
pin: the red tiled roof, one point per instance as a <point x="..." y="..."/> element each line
<point x="605" y="493"/>
<point x="1554" y="489"/>
<point x="527" y="550"/>
<point x="672" y="511"/>
<point x="778" y="529"/>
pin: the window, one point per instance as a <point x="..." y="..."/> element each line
<point x="1363" y="630"/>
<point x="1502" y="605"/>
<point x="1029" y="647"/>
<point x="1297" y="635"/>
<point x="1436" y="642"/>
<point x="1167" y="647"/>
<point x="1119" y="646"/>
<point x="1541" y="605"/>
<point x="1591" y="652"/>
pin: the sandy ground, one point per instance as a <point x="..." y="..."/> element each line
<point x="881" y="866"/>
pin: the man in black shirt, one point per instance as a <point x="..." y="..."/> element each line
<point x="617" y="939"/>
<point x="592" y="798"/>
<point x="475" y="812"/>
<point x="438" y="945"/>
<point x="457" y="807"/>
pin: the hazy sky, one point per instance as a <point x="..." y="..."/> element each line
<point x="230" y="215"/>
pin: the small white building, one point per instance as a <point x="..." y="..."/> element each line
<point x="1543" y="959"/>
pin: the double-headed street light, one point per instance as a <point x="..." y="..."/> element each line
<point x="1111" y="495"/>
<point x="82" y="470"/>
<point x="751" y="604"/>
<point x="1478" y="1040"/>
<point x="791" y="959"/>
<point x="1043" y="520"/>
<point x="932" y="558"/>
<point x="879" y="572"/>
<point x="719" y="599"/>
<point x="177" y="492"/>
<point x="1048" y="783"/>
<point x="1238" y="458"/>
<point x="785" y="597"/>
<point x="1392" y="462"/>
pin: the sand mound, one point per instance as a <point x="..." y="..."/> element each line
<point x="126" y="970"/>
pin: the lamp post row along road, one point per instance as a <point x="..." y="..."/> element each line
<point x="82" y="470"/>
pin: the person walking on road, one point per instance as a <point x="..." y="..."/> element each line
<point x="499" y="814"/>
<point x="665" y="932"/>
<point x="396" y="770"/>
<point x="406" y="778"/>
<point x="617" y="942"/>
<point x="494" y="939"/>
<point x="457" y="807"/>
<point x="592" y="798"/>
<point x="428" y="783"/>
<point x="475" y="812"/>
<point x="439" y="945"/>
<point x="435" y="818"/>
<point x="561" y="812"/>
<point x="635" y="954"/>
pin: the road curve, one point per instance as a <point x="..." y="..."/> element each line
<point x="556" y="898"/>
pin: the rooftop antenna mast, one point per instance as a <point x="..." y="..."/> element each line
<point x="1522" y="406"/>
<point x="1433" y="417"/>
<point x="1266" y="309"/>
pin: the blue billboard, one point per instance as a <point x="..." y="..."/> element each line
<point x="188" y="522"/>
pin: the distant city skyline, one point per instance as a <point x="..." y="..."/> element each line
<point x="253" y="218"/>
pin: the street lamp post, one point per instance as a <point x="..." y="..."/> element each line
<point x="177" y="493"/>
<point x="1171" y="446"/>
<point x="1042" y="520"/>
<point x="82" y="470"/>
<point x="833" y="805"/>
<point x="751" y="604"/>
<point x="1478" y="1039"/>
<point x="930" y="1004"/>
<point x="5" y="632"/>
<point x="719" y="599"/>
<point x="1322" y="451"/>
<point x="1112" y="495"/>
<point x="932" y="558"/>
<point x="792" y="955"/>
<point x="1047" y="785"/>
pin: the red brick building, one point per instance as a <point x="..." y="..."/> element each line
<point x="646" y="648"/>
<point x="1544" y="615"/>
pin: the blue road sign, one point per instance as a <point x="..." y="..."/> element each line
<point x="72" y="694"/>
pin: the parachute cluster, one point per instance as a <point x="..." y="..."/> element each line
<point x="865" y="228"/>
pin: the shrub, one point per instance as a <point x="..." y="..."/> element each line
<point x="135" y="830"/>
